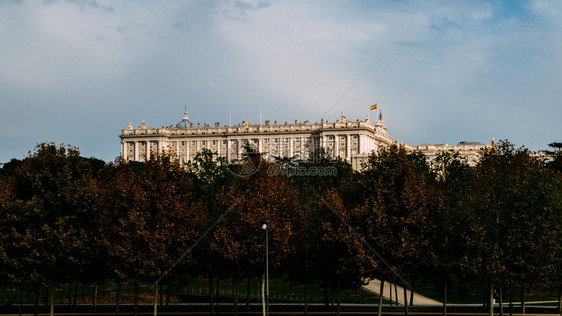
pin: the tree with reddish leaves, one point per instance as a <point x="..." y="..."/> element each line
<point x="49" y="219"/>
<point x="212" y="176"/>
<point x="149" y="218"/>
<point x="326" y="251"/>
<point x="253" y="200"/>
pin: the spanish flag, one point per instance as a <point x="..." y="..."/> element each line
<point x="374" y="107"/>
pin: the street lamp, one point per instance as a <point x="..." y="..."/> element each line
<point x="264" y="227"/>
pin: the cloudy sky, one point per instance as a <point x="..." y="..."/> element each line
<point x="77" y="72"/>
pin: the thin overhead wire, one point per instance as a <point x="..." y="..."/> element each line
<point x="362" y="239"/>
<point x="366" y="72"/>
<point x="184" y="254"/>
<point x="188" y="65"/>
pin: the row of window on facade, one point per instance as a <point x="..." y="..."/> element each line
<point x="244" y="141"/>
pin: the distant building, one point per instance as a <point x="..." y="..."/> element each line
<point x="351" y="141"/>
<point x="468" y="150"/>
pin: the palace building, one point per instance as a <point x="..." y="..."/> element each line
<point x="351" y="141"/>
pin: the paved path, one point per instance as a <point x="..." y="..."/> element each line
<point x="375" y="285"/>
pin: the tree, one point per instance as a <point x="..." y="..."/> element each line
<point x="395" y="214"/>
<point x="324" y="246"/>
<point x="453" y="177"/>
<point x="513" y="221"/>
<point x="253" y="201"/>
<point x="149" y="218"/>
<point x="555" y="162"/>
<point x="51" y="218"/>
<point x="212" y="177"/>
<point x="7" y="274"/>
<point x="341" y="250"/>
<point x="554" y="186"/>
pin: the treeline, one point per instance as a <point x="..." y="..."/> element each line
<point x="65" y="219"/>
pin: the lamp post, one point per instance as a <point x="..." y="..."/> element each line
<point x="264" y="227"/>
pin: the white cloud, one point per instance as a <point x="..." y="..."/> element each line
<point x="242" y="9"/>
<point x="466" y="70"/>
<point x="552" y="9"/>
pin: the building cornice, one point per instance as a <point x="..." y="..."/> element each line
<point x="249" y="130"/>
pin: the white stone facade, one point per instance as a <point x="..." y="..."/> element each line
<point x="351" y="141"/>
<point x="468" y="150"/>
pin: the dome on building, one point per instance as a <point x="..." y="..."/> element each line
<point x="184" y="123"/>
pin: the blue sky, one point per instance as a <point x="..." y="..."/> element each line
<point x="77" y="72"/>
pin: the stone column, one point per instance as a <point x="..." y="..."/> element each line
<point x="336" y="144"/>
<point x="348" y="148"/>
<point x="302" y="148"/>
<point x="136" y="151"/>
<point x="228" y="150"/>
<point x="239" y="143"/>
<point x="291" y="154"/>
<point x="147" y="147"/>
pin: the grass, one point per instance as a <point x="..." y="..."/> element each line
<point x="280" y="291"/>
<point x="196" y="291"/>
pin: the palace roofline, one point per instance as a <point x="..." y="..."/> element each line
<point x="254" y="129"/>
<point x="349" y="140"/>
